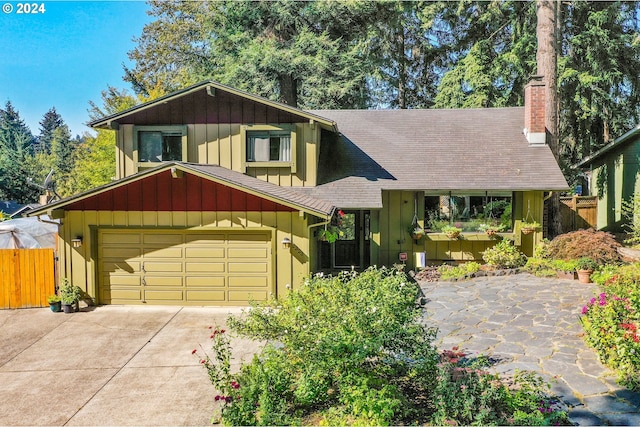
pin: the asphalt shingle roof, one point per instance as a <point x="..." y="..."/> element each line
<point x="432" y="150"/>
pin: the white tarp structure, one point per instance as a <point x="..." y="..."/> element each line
<point x="28" y="233"/>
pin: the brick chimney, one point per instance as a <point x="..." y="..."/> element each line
<point x="534" y="128"/>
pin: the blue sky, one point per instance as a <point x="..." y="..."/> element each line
<point x="65" y="56"/>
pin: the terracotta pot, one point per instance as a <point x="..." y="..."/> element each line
<point x="584" y="276"/>
<point x="453" y="234"/>
<point x="528" y="230"/>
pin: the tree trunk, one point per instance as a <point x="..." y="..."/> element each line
<point x="547" y="61"/>
<point x="288" y="90"/>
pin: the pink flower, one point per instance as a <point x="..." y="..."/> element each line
<point x="585" y="309"/>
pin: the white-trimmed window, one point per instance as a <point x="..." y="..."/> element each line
<point x="468" y="210"/>
<point x="269" y="146"/>
<point x="155" y="144"/>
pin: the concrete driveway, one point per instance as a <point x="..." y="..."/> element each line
<point x="109" y="365"/>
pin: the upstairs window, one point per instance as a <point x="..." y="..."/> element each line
<point x="160" y="144"/>
<point x="269" y="146"/>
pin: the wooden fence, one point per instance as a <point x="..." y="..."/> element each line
<point x="578" y="212"/>
<point x="27" y="277"/>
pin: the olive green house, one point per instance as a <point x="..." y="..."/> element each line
<point x="221" y="197"/>
<point x="613" y="177"/>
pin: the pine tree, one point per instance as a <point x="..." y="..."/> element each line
<point x="50" y="122"/>
<point x="16" y="149"/>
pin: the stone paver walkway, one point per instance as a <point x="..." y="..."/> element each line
<point x="529" y="323"/>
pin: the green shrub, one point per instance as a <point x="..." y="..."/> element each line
<point x="351" y="350"/>
<point x="540" y="267"/>
<point x="631" y="212"/>
<point x="504" y="255"/>
<point x="598" y="245"/>
<point x="586" y="263"/>
<point x="611" y="321"/>
<point x="448" y="272"/>
<point x="564" y="265"/>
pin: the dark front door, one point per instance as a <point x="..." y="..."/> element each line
<point x="347" y="247"/>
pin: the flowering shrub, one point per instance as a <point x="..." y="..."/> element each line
<point x="611" y="321"/>
<point x="504" y="255"/>
<point x="468" y="395"/>
<point x="346" y="350"/>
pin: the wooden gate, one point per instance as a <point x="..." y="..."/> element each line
<point x="578" y="212"/>
<point x="27" y="277"/>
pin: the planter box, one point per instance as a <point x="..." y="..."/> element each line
<point x="570" y="275"/>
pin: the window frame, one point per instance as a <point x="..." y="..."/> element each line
<point x="280" y="128"/>
<point x="182" y="129"/>
<point x="485" y="194"/>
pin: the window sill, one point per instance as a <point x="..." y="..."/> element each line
<point x="470" y="236"/>
<point x="269" y="164"/>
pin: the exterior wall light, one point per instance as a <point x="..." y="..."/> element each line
<point x="286" y="243"/>
<point x="77" y="242"/>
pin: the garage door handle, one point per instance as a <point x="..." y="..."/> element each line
<point x="143" y="268"/>
<point x="144" y="282"/>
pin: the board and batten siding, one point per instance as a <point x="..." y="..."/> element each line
<point x="221" y="144"/>
<point x="392" y="236"/>
<point x="614" y="179"/>
<point x="79" y="264"/>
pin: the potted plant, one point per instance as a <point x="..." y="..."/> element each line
<point x="415" y="231"/>
<point x="529" y="227"/>
<point x="585" y="267"/>
<point x="491" y="229"/>
<point x="70" y="295"/>
<point x="451" y="231"/>
<point x="55" y="303"/>
<point x="327" y="235"/>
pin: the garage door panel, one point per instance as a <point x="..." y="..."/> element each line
<point x="163" y="281"/>
<point x="248" y="253"/>
<point x="122" y="280"/>
<point x="248" y="267"/>
<point x="121" y="266"/>
<point x="206" y="239"/>
<point x="126" y="294"/>
<point x="205" y="267"/>
<point x="205" y="296"/>
<point x="160" y="267"/>
<point x="244" y="296"/>
<point x="248" y="281"/>
<point x="120" y="238"/>
<point x="162" y="295"/>
<point x="210" y="282"/>
<point x="162" y="239"/>
<point x="204" y="252"/>
<point x="173" y="252"/>
<point x="120" y="253"/>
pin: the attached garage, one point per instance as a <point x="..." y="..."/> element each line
<point x="185" y="234"/>
<point x="183" y="267"/>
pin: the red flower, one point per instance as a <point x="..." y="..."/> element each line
<point x="194" y="351"/>
<point x="203" y="361"/>
<point x="341" y="212"/>
<point x="235" y="385"/>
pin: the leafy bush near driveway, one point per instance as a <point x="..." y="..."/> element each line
<point x="611" y="321"/>
<point x="448" y="272"/>
<point x="349" y="350"/>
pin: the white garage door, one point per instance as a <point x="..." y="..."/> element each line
<point x="183" y="268"/>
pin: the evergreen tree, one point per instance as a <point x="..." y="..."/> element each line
<point x="16" y="149"/>
<point x="306" y="54"/>
<point x="50" y="122"/>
